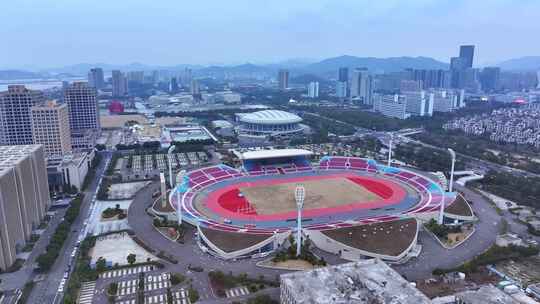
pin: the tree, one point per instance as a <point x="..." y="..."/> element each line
<point x="131" y="258"/>
<point x="101" y="264"/>
<point x="169" y="296"/>
<point x="113" y="288"/>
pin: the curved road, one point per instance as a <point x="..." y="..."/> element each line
<point x="433" y="255"/>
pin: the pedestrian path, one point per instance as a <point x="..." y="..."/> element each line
<point x="237" y="292"/>
<point x="86" y="294"/>
<point x="126" y="271"/>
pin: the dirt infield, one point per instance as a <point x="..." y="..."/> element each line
<point x="325" y="193"/>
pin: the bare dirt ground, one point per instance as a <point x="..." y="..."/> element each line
<point x="326" y="193"/>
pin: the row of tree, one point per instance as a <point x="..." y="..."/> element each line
<point x="47" y="259"/>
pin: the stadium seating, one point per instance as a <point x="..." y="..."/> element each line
<point x="430" y="195"/>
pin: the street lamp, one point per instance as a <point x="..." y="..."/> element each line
<point x="453" y="154"/>
<point x="390" y="150"/>
<point x="299" y="196"/>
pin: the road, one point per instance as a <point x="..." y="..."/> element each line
<point x="435" y="256"/>
<point x="45" y="291"/>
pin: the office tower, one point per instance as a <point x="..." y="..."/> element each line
<point x="24" y="197"/>
<point x="313" y="89"/>
<point x="96" y="78"/>
<point x="83" y="115"/>
<point x="119" y="84"/>
<point x="173" y="86"/>
<point x="419" y="103"/>
<point x="538" y="79"/>
<point x="283" y="78"/>
<point x="490" y="78"/>
<point x="341" y="89"/>
<point x="15" y="123"/>
<point x="466" y="53"/>
<point x="361" y="86"/>
<point x="391" y="105"/>
<point x="195" y="89"/>
<point x="50" y="128"/>
<point x="343" y="74"/>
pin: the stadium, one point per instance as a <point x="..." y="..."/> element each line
<point x="266" y="123"/>
<point x="353" y="207"/>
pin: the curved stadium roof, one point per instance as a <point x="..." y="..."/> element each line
<point x="270" y="117"/>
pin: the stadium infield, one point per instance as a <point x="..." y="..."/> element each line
<point x="322" y="193"/>
<point x="273" y="199"/>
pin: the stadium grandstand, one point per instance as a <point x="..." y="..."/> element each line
<point x="250" y="211"/>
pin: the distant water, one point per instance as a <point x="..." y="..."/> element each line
<point x="36" y="84"/>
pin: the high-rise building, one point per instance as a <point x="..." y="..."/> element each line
<point x="410" y="85"/>
<point x="430" y="78"/>
<point x="195" y="88"/>
<point x="119" y="84"/>
<point x="391" y="105"/>
<point x="313" y="89"/>
<point x="173" y="86"/>
<point x="419" y="103"/>
<point x="24" y="197"/>
<point x="50" y="128"/>
<point x="490" y="78"/>
<point x="448" y="101"/>
<point x="466" y="52"/>
<point x="341" y="89"/>
<point x="136" y="76"/>
<point x="15" y="122"/>
<point x="96" y="78"/>
<point x="283" y="79"/>
<point x="362" y="86"/>
<point x="343" y="74"/>
<point x="538" y="79"/>
<point x="155" y="77"/>
<point x="83" y="115"/>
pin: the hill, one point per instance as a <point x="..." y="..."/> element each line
<point x="392" y="64"/>
<point x="528" y="63"/>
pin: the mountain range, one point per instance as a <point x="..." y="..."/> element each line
<point x="326" y="68"/>
<point x="528" y="63"/>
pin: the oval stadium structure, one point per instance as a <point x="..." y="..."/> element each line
<point x="268" y="123"/>
<point x="353" y="207"/>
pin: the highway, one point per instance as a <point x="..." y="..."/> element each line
<point x="47" y="290"/>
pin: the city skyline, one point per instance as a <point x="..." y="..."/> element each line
<point x="87" y="32"/>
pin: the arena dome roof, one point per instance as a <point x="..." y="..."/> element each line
<point x="270" y="117"/>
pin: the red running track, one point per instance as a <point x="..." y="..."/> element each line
<point x="228" y="204"/>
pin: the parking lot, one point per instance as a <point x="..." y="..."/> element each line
<point x="146" y="163"/>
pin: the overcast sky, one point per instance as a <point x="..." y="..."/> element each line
<point x="52" y="33"/>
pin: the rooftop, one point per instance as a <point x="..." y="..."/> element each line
<point x="233" y="241"/>
<point x="11" y="155"/>
<point x="367" y="281"/>
<point x="269" y="117"/>
<point x="386" y="238"/>
<point x="259" y="154"/>
<point x="487" y="294"/>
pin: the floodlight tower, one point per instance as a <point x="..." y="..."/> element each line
<point x="390" y="149"/>
<point x="169" y="157"/>
<point x="299" y="196"/>
<point x="441" y="212"/>
<point x="453" y="154"/>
